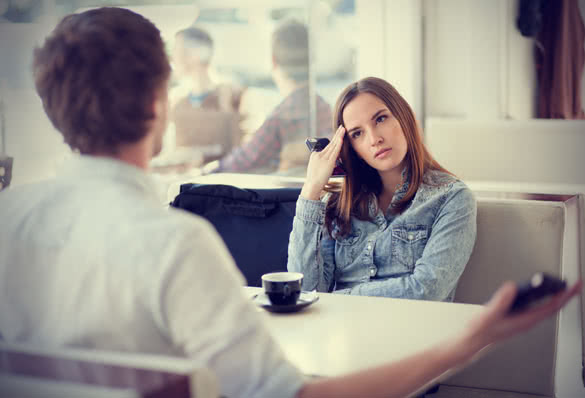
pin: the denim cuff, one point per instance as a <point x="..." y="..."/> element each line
<point x="311" y="210"/>
<point x="342" y="291"/>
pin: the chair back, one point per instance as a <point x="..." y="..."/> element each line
<point x="255" y="224"/>
<point x="28" y="371"/>
<point x="515" y="239"/>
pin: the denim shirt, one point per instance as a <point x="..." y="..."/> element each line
<point x="418" y="254"/>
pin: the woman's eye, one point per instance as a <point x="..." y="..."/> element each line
<point x="381" y="118"/>
<point x="355" y="134"/>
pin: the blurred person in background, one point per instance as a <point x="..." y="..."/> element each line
<point x="22" y="11"/>
<point x="206" y="114"/>
<point x="278" y="145"/>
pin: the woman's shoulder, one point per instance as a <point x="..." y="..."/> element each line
<point x="436" y="182"/>
<point x="439" y="178"/>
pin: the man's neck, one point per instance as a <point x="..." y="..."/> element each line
<point x="285" y="85"/>
<point x="137" y="155"/>
<point x="199" y="83"/>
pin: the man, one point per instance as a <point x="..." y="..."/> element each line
<point x="93" y="260"/>
<point x="205" y="114"/>
<point x="278" y="145"/>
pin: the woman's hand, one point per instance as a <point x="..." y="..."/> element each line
<point x="321" y="165"/>
<point x="495" y="324"/>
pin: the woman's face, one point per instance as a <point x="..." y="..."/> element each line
<point x="374" y="133"/>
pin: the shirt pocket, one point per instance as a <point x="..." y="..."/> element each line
<point x="350" y="239"/>
<point x="347" y="249"/>
<point x="408" y="244"/>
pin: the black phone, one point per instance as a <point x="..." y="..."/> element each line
<point x="538" y="287"/>
<point x="316" y="144"/>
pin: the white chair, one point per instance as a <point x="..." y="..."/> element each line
<point x="31" y="372"/>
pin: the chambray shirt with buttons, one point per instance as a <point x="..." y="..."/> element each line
<point x="418" y="254"/>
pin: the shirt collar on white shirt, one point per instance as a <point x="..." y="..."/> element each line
<point x="86" y="166"/>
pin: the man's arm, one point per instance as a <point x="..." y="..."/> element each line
<point x="414" y="374"/>
<point x="257" y="152"/>
<point x="202" y="309"/>
<point x="206" y="315"/>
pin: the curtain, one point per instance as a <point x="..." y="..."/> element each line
<point x="560" y="59"/>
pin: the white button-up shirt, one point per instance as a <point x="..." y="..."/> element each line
<point x="92" y="259"/>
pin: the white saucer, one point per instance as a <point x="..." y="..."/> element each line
<point x="305" y="299"/>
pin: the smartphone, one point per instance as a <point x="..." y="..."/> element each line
<point x="316" y="144"/>
<point x="538" y="287"/>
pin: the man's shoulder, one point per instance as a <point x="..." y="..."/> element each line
<point x="25" y="195"/>
<point x="182" y="225"/>
<point x="296" y="106"/>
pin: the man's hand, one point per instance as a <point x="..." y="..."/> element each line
<point x="496" y="323"/>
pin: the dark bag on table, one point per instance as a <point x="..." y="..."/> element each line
<point x="255" y="224"/>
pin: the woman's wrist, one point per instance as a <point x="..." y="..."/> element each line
<point x="311" y="192"/>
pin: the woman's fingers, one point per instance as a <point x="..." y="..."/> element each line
<point x="334" y="147"/>
<point x="321" y="165"/>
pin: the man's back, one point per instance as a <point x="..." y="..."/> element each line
<point x="70" y="240"/>
<point x="92" y="259"/>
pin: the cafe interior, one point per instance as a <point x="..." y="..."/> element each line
<point x="498" y="91"/>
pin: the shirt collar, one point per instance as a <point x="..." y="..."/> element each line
<point x="399" y="193"/>
<point x="84" y="167"/>
<point x="402" y="187"/>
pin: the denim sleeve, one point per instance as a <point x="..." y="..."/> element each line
<point x="310" y="249"/>
<point x="446" y="253"/>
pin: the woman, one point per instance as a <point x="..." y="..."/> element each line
<point x="400" y="225"/>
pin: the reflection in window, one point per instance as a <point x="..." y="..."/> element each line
<point x="242" y="97"/>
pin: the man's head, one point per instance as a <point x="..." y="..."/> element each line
<point x="290" y="50"/>
<point x="192" y="51"/>
<point x="102" y="76"/>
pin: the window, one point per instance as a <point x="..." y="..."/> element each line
<point x="223" y="96"/>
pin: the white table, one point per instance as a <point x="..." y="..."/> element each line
<point x="340" y="334"/>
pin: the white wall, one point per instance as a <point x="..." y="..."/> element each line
<point x="390" y="37"/>
<point x="37" y="148"/>
<point x="477" y="63"/>
<point x="582" y="9"/>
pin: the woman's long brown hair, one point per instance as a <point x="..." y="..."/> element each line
<point x="351" y="198"/>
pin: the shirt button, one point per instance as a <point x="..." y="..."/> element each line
<point x="372" y="271"/>
<point x="410" y="236"/>
<point x="369" y="246"/>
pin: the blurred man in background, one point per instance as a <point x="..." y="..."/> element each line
<point x="278" y="145"/>
<point x="206" y="115"/>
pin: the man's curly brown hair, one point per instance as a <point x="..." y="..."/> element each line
<point x="98" y="74"/>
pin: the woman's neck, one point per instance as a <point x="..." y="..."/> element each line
<point x="390" y="182"/>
